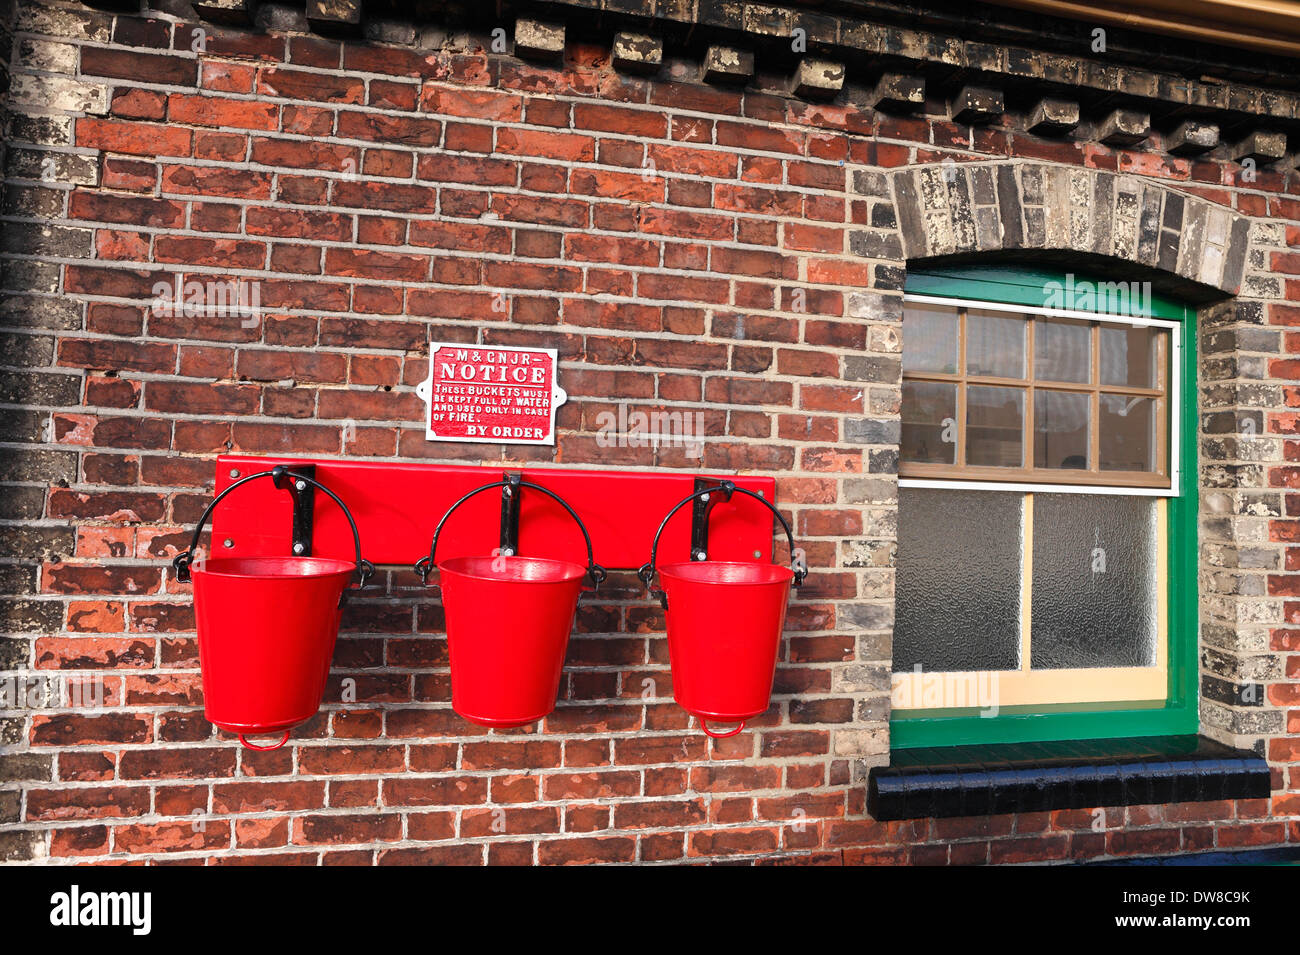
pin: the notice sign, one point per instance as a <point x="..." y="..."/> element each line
<point x="491" y="395"/>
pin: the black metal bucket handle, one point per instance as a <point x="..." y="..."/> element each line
<point x="648" y="570"/>
<point x="281" y="475"/>
<point x="424" y="566"/>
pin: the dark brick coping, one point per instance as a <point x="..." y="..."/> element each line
<point x="1034" y="777"/>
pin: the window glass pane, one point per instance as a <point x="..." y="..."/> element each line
<point x="995" y="426"/>
<point x="1062" y="350"/>
<point x="995" y="344"/>
<point x="929" y="429"/>
<point x="1131" y="356"/>
<point x="929" y="338"/>
<point x="958" y="583"/>
<point x="1094" y="581"/>
<point x="1061" y="429"/>
<point x="1128" y="433"/>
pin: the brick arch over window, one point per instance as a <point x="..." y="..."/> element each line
<point x="947" y="209"/>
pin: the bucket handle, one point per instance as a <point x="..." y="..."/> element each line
<point x="281" y="475"/>
<point x="704" y="725"/>
<point x="424" y="566"/>
<point x="728" y="488"/>
<point x="274" y="746"/>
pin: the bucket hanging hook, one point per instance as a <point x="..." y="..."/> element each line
<point x="727" y="489"/>
<point x="286" y="479"/>
<point x="511" y="486"/>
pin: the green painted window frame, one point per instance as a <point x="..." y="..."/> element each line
<point x="1179" y="715"/>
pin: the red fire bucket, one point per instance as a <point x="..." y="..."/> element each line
<point x="267" y="627"/>
<point x="724" y="626"/>
<point x="508" y="623"/>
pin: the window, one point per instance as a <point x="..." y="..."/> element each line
<point x="1040" y="501"/>
<point x="998" y="393"/>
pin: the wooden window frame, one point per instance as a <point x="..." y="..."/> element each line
<point x="1163" y="482"/>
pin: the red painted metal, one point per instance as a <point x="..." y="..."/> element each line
<point x="267" y="627"/>
<point x="724" y="634"/>
<point x="508" y="623"/>
<point x="397" y="506"/>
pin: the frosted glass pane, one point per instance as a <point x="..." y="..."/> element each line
<point x="1095" y="581"/>
<point x="995" y="344"/>
<point x="1131" y="356"/>
<point x="1128" y="433"/>
<point x="929" y="429"/>
<point x="958" y="584"/>
<point x="1061" y="429"/>
<point x="995" y="426"/>
<point x="1062" y="350"/>
<point x="929" y="338"/>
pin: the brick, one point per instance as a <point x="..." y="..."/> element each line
<point x="129" y="174"/>
<point x="726" y="64"/>
<point x="21" y="845"/>
<point x="88" y="803"/>
<point x="58" y="93"/>
<point x="74" y="729"/>
<point x="135" y="103"/>
<point x="538" y="39"/>
<point x="47" y="57"/>
<point x="221" y="111"/>
<point x="586" y="851"/>
<point x="498" y="106"/>
<point x="305" y="155"/>
<point x="380" y="265"/>
<point x="637" y="53"/>
<point x="383" y="195"/>
<point x="555" y="146"/>
<point x="409" y="130"/>
<point x="136" y="139"/>
<point x="233" y="12"/>
<point x="1192" y="138"/>
<point x="976" y="104"/>
<point x="1052" y="116"/>
<point x="226" y="77"/>
<point x="897" y="92"/>
<point x="119" y="64"/>
<point x="334" y="16"/>
<point x="817" y="78"/>
<point x="127" y="210"/>
<point x="317" y="87"/>
<point x="732" y="841"/>
<point x="1262" y="146"/>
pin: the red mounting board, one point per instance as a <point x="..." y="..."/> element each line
<point x="397" y="506"/>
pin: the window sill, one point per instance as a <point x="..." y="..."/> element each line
<point x="1033" y="777"/>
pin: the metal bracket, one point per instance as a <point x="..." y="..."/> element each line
<point x="511" y="493"/>
<point x="304" y="504"/>
<point x="700" y="511"/>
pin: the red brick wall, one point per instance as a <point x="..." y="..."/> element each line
<point x="661" y="235"/>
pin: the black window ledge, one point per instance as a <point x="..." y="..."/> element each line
<point x="988" y="780"/>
